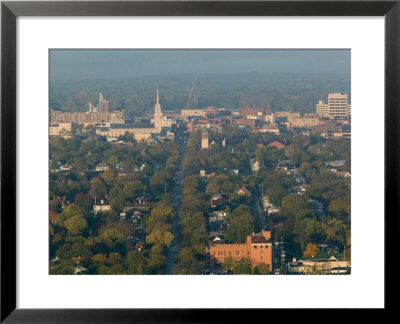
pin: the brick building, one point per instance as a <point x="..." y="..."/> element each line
<point x="256" y="250"/>
<point x="250" y="111"/>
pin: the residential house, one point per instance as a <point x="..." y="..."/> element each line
<point x="102" y="167"/>
<point x="273" y="210"/>
<point x="217" y="199"/>
<point x="266" y="203"/>
<point x="243" y="192"/>
<point x="254" y="165"/>
<point x="65" y="167"/>
<point x="285" y="165"/>
<point x="101" y="207"/>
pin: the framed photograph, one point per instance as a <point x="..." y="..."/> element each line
<point x="182" y="155"/>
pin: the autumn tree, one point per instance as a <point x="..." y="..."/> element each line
<point x="311" y="251"/>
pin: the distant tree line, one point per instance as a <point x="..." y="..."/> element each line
<point x="291" y="92"/>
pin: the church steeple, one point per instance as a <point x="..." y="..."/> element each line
<point x="157" y="114"/>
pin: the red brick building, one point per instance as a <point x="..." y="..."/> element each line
<point x="248" y="110"/>
<point x="256" y="250"/>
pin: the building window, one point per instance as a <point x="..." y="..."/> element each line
<point x="261" y="257"/>
<point x="236" y="252"/>
<point x="255" y="246"/>
<point x="261" y="246"/>
<point x="229" y="252"/>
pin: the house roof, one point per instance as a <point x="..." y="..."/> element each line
<point x="259" y="239"/>
<point x="276" y="144"/>
<point x="102" y="164"/>
<point x="244" y="189"/>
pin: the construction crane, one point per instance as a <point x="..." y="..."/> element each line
<point x="191" y="91"/>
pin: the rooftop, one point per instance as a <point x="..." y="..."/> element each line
<point x="256" y="239"/>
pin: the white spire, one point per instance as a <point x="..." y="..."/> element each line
<point x="158" y="114"/>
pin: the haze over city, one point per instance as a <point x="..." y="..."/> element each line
<point x="112" y="64"/>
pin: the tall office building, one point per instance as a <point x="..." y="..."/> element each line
<point x="104" y="105"/>
<point x="337" y="106"/>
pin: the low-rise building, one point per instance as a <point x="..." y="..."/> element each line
<point x="91" y="117"/>
<point x="270" y="129"/>
<point x="287" y="114"/>
<point x="319" y="266"/>
<point x="307" y="121"/>
<point x="193" y="112"/>
<point x="60" y="129"/>
<point x="250" y="111"/>
<point x="256" y="250"/>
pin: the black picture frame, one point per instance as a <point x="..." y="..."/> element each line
<point x="10" y="10"/>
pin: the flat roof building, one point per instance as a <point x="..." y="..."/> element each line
<point x="256" y="250"/>
<point x="337" y="106"/>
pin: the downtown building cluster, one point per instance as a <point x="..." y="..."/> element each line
<point x="331" y="120"/>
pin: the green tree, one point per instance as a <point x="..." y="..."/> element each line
<point x="160" y="236"/>
<point x="108" y="176"/>
<point x="186" y="257"/>
<point x="133" y="189"/>
<point x="97" y="188"/>
<point x="263" y="268"/>
<point x="161" y="182"/>
<point x="242" y="268"/>
<point x="75" y="225"/>
<point x="228" y="263"/>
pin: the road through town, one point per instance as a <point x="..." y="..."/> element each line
<point x="175" y="247"/>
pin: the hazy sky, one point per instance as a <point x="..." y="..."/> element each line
<point x="112" y="64"/>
